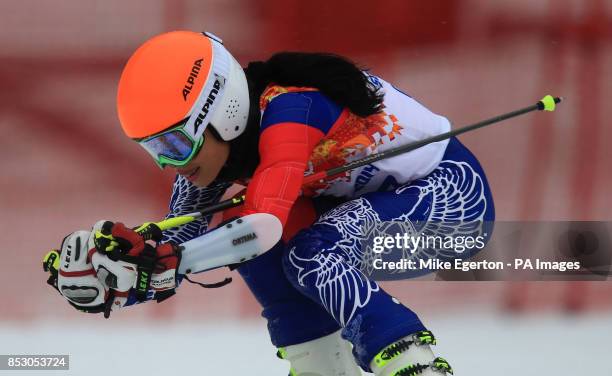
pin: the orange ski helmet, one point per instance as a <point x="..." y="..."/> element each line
<point x="187" y="78"/>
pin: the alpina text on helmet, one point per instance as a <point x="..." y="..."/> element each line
<point x="209" y="101"/>
<point x="195" y="70"/>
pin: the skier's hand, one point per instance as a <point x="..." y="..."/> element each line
<point x="97" y="279"/>
<point x="156" y="266"/>
<point x="115" y="239"/>
<point x="74" y="276"/>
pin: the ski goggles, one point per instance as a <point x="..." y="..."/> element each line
<point x="174" y="147"/>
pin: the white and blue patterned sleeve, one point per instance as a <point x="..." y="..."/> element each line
<point x="188" y="198"/>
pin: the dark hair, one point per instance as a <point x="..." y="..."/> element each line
<point x="335" y="76"/>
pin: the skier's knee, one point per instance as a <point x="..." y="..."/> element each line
<point x="300" y="256"/>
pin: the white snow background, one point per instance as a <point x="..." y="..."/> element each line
<point x="476" y="345"/>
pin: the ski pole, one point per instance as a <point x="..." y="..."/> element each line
<point x="548" y="103"/>
<point x="187" y="218"/>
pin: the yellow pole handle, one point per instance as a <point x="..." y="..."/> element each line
<point x="177" y="221"/>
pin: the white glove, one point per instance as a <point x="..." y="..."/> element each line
<point x="92" y="282"/>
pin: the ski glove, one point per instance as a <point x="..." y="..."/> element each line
<point x="98" y="275"/>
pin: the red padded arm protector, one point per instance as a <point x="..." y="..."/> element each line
<point x="284" y="150"/>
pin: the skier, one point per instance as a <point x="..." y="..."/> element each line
<point x="191" y="106"/>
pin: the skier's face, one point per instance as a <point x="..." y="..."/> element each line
<point x="205" y="166"/>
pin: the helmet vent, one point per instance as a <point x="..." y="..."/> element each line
<point x="232" y="108"/>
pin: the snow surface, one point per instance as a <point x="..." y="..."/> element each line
<point x="475" y="345"/>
